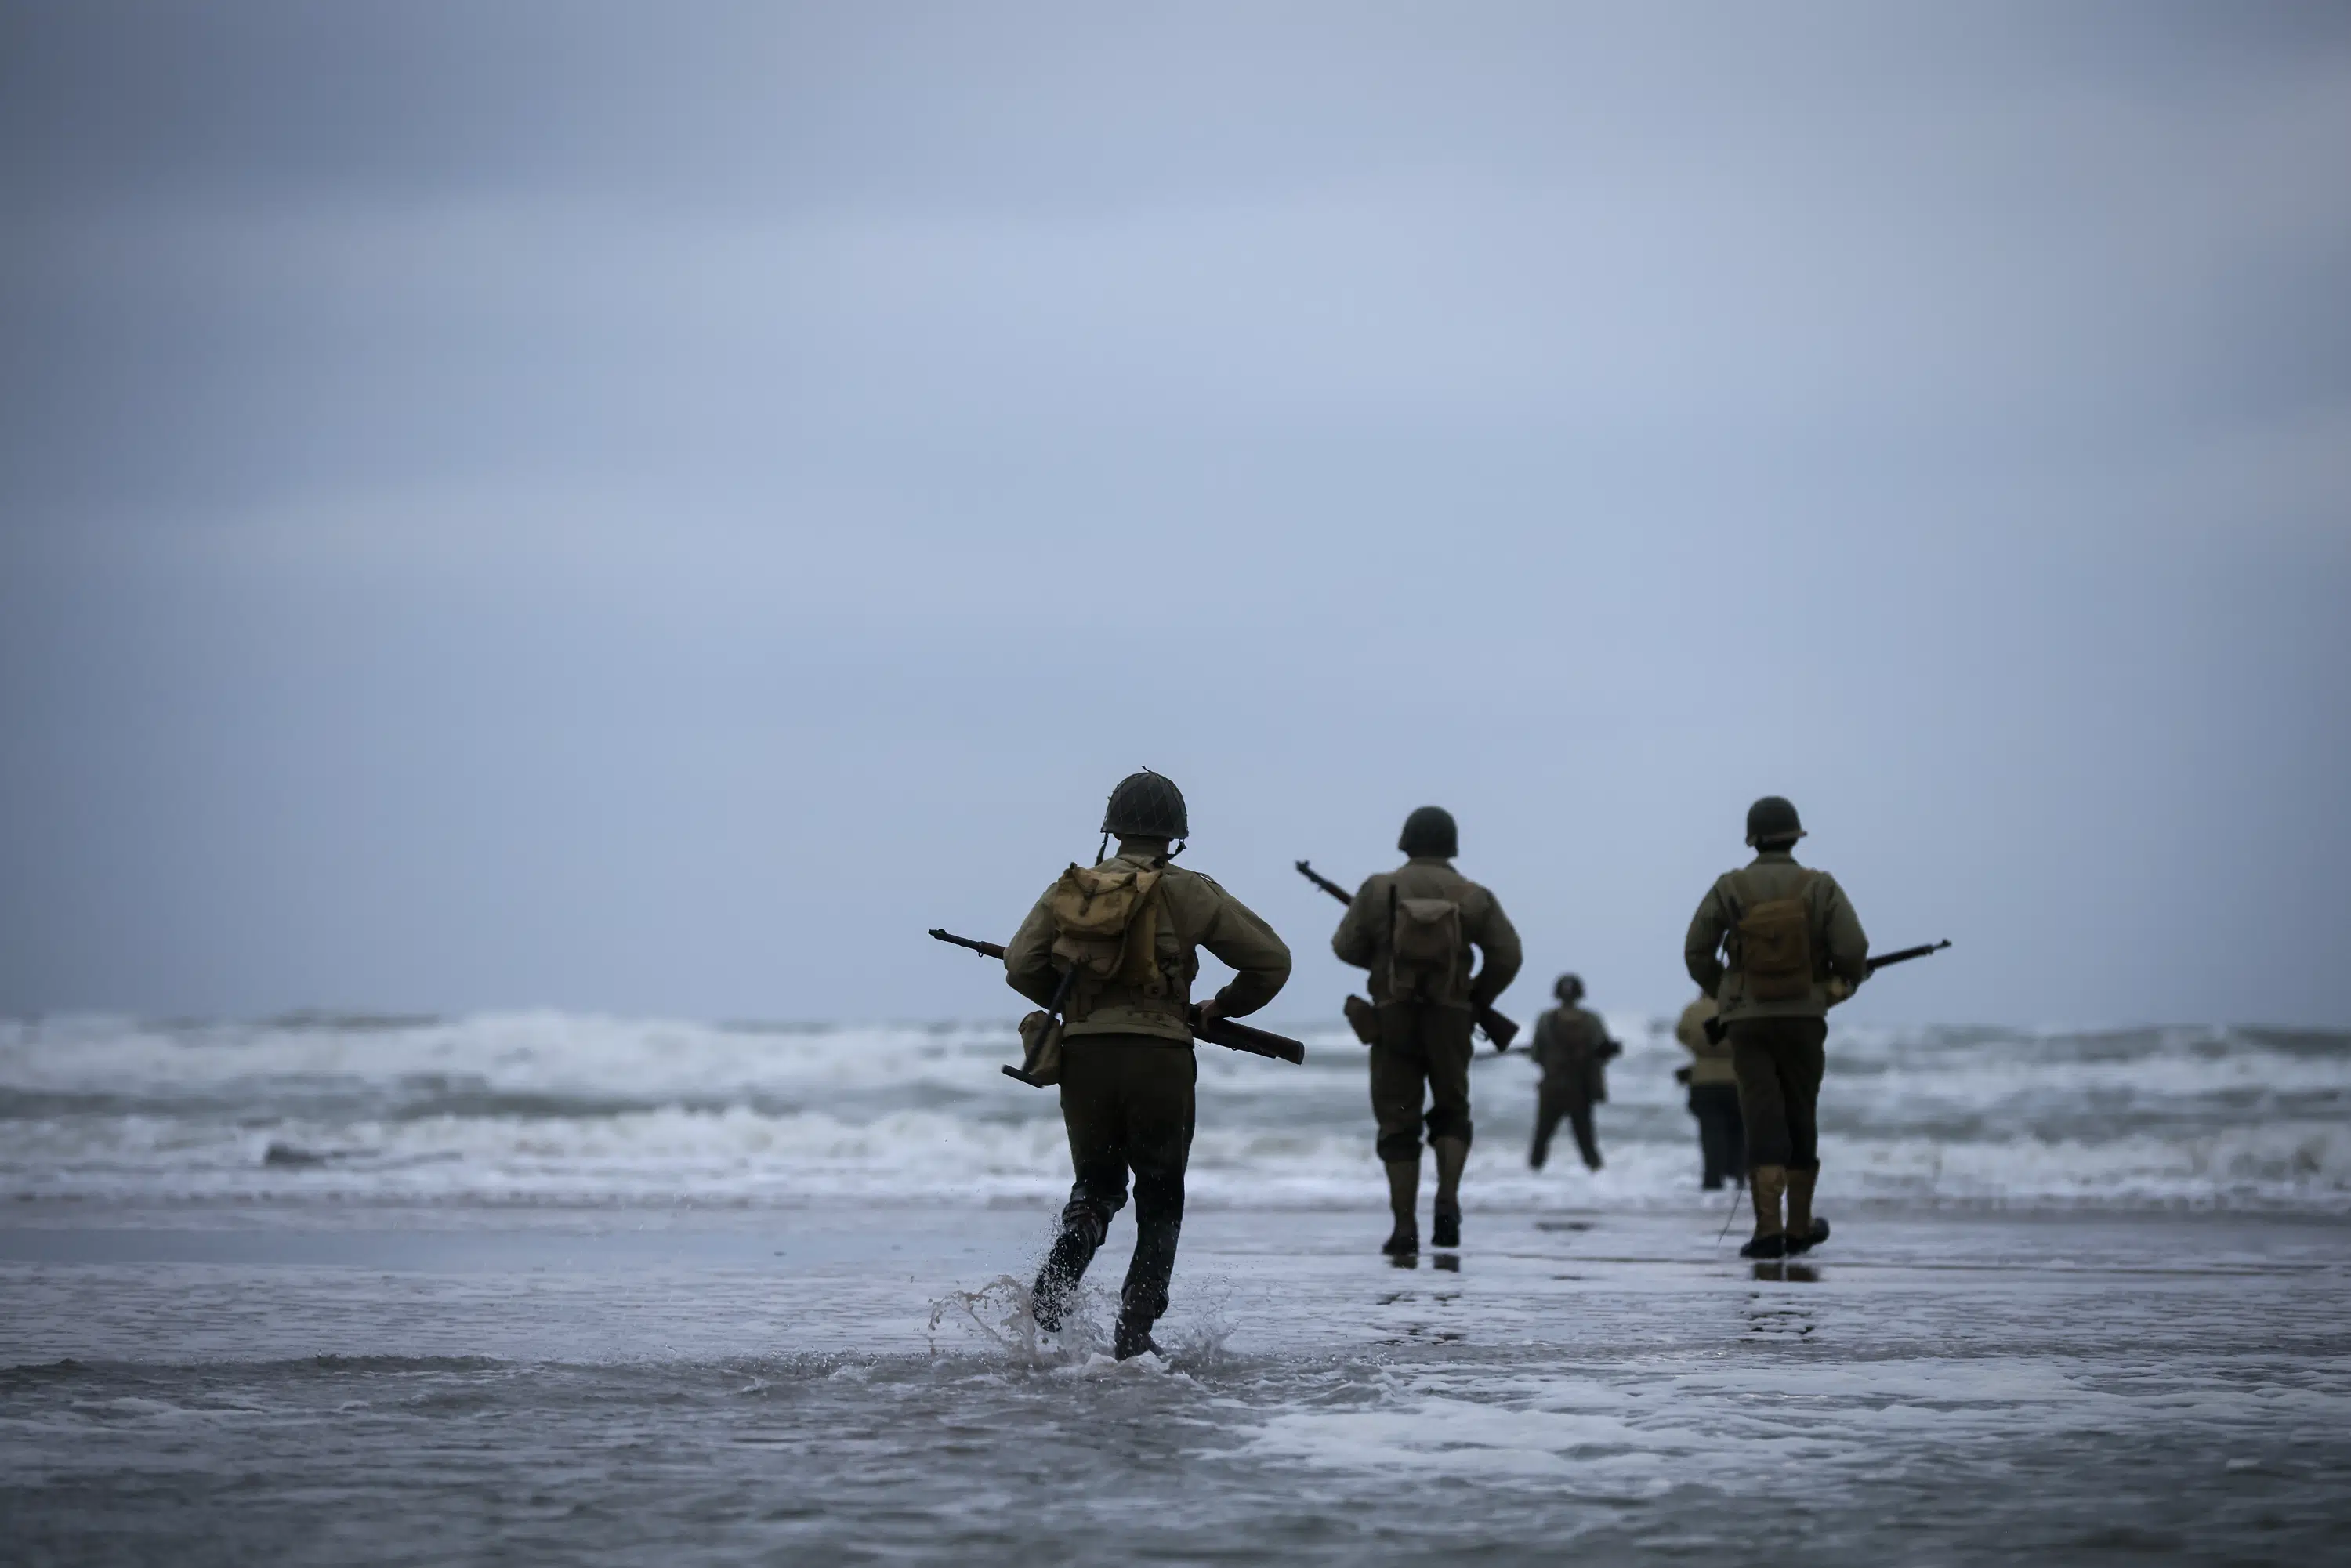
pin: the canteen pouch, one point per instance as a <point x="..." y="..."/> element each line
<point x="1425" y="949"/>
<point x="1775" y="948"/>
<point x="1363" y="1018"/>
<point x="1040" y="1047"/>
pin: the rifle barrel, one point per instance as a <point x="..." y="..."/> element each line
<point x="1324" y="883"/>
<point x="985" y="949"/>
<point x="1906" y="955"/>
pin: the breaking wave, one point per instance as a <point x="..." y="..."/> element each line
<point x="565" y="1108"/>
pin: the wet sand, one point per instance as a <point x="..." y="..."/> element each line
<point x="390" y="1383"/>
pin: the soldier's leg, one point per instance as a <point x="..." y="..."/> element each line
<point x="1764" y="1108"/>
<point x="1734" y="1138"/>
<point x="1801" y="1060"/>
<point x="1446" y="1046"/>
<point x="1706" y="1105"/>
<point x="1579" y="1113"/>
<point x="1549" y="1107"/>
<point x="1398" y="1082"/>
<point x="1093" y="1113"/>
<point x="1159" y="1114"/>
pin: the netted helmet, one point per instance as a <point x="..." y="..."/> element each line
<point x="1773" y="820"/>
<point x="1146" y="805"/>
<point x="1569" y="988"/>
<point x="1430" y="832"/>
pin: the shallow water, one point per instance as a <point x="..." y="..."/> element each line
<point x="554" y="1289"/>
<point x="395" y="1383"/>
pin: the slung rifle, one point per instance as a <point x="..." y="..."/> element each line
<point x="1716" y="1028"/>
<point x="1500" y="1029"/>
<point x="1229" y="1033"/>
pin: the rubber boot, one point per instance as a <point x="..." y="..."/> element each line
<point x="1767" y="1183"/>
<point x="1131" y="1337"/>
<point x="1083" y="1231"/>
<point x="1142" y="1300"/>
<point x="1140" y="1305"/>
<point x="1452" y="1155"/>
<point x="1806" y="1229"/>
<point x="1404" y="1197"/>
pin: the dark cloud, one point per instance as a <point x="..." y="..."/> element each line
<point x="590" y="506"/>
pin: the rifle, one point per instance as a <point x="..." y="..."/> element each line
<point x="1871" y="966"/>
<point x="1716" y="1028"/>
<point x="1498" y="1030"/>
<point x="1229" y="1033"/>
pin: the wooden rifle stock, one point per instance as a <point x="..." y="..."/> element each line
<point x="1234" y="1036"/>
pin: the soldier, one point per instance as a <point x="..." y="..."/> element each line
<point x="1126" y="1064"/>
<point x="1413" y="928"/>
<point x="1713" y="1097"/>
<point x="1571" y="1047"/>
<point x="1789" y="935"/>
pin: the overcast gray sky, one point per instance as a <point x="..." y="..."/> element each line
<point x="648" y="508"/>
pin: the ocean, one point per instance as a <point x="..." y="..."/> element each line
<point x="552" y="1288"/>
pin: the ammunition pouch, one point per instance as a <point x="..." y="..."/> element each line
<point x="1041" y="1048"/>
<point x="1363" y="1018"/>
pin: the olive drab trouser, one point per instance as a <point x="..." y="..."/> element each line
<point x="1721" y="1133"/>
<point x="1565" y="1096"/>
<point x="1127" y="1104"/>
<point x="1420" y="1051"/>
<point x="1779" y="1061"/>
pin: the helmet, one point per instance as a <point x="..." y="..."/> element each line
<point x="1773" y="820"/>
<point x="1569" y="988"/>
<point x="1146" y="805"/>
<point x="1430" y="832"/>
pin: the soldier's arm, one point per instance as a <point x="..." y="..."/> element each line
<point x="1603" y="1045"/>
<point x="1354" y="942"/>
<point x="1702" y="947"/>
<point x="1028" y="958"/>
<point x="1259" y="958"/>
<point x="1848" y="943"/>
<point x="1498" y="942"/>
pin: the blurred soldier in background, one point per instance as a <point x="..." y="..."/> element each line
<point x="1571" y="1047"/>
<point x="1713" y="1096"/>
<point x="1413" y="928"/>
<point x="1767" y="943"/>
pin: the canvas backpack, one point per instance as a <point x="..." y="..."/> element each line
<point x="1426" y="946"/>
<point x="1106" y="921"/>
<point x="1776" y="943"/>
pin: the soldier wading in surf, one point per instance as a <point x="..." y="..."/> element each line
<point x="1713" y="1096"/>
<point x="1413" y="928"/>
<point x="1776" y="945"/>
<point x="1573" y="1047"/>
<point x="1130" y="925"/>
